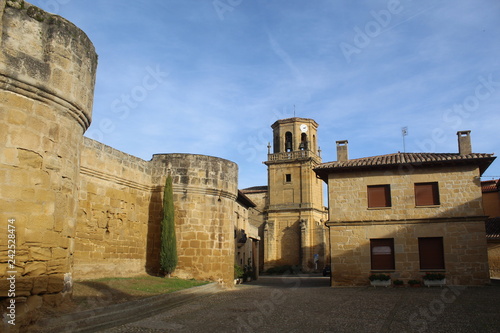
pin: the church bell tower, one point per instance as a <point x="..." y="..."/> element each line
<point x="294" y="233"/>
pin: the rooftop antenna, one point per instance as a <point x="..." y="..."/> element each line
<point x="404" y="132"/>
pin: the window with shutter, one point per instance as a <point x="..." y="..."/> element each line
<point x="379" y="196"/>
<point x="427" y="194"/>
<point x="382" y="253"/>
<point x="431" y="252"/>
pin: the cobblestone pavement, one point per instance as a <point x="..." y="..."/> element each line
<point x="308" y="304"/>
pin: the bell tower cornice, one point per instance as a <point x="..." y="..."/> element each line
<point x="294" y="120"/>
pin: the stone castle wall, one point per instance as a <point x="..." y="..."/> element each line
<point x="47" y="75"/>
<point x="120" y="211"/>
<point x="205" y="189"/>
<point x="82" y="209"/>
<point x="114" y="208"/>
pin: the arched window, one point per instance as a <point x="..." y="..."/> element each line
<point x="288" y="142"/>
<point x="276" y="144"/>
<point x="303" y="142"/>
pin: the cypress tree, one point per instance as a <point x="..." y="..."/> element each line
<point x="168" y="250"/>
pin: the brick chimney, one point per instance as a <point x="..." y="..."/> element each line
<point x="342" y="151"/>
<point x="464" y="145"/>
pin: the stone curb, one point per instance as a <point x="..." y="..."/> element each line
<point x="124" y="313"/>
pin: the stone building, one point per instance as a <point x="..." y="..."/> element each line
<point x="256" y="217"/>
<point x="289" y="211"/>
<point x="491" y="203"/>
<point x="246" y="236"/>
<point x="493" y="241"/>
<point x="491" y="197"/>
<point x="405" y="214"/>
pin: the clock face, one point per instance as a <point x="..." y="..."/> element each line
<point x="303" y="128"/>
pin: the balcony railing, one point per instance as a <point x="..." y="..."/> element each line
<point x="292" y="155"/>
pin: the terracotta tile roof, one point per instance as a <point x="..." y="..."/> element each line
<point x="493" y="228"/>
<point x="490" y="186"/>
<point x="400" y="159"/>
<point x="254" y="189"/>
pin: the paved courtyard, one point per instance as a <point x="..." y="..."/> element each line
<point x="308" y="304"/>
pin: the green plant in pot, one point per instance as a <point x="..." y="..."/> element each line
<point x="398" y="283"/>
<point x="434" y="276"/>
<point x="415" y="283"/>
<point x="434" y="279"/>
<point x="380" y="277"/>
<point x="380" y="280"/>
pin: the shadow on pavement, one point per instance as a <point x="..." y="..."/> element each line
<point x="292" y="281"/>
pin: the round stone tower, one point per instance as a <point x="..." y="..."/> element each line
<point x="47" y="76"/>
<point x="205" y="190"/>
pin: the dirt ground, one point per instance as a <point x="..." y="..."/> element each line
<point x="91" y="294"/>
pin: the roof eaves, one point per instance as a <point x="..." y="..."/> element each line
<point x="402" y="159"/>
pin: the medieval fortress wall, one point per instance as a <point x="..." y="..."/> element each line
<point x="47" y="75"/>
<point x="120" y="209"/>
<point x="205" y="192"/>
<point x="83" y="209"/>
<point x="114" y="194"/>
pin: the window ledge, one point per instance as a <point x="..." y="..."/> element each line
<point x="429" y="206"/>
<point x="434" y="270"/>
<point x="383" y="271"/>
<point x="378" y="208"/>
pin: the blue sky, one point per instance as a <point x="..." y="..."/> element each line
<point x="210" y="76"/>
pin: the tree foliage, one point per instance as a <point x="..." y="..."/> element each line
<point x="168" y="251"/>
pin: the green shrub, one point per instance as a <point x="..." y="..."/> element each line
<point x="433" y="276"/>
<point x="380" y="277"/>
<point x="238" y="271"/>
